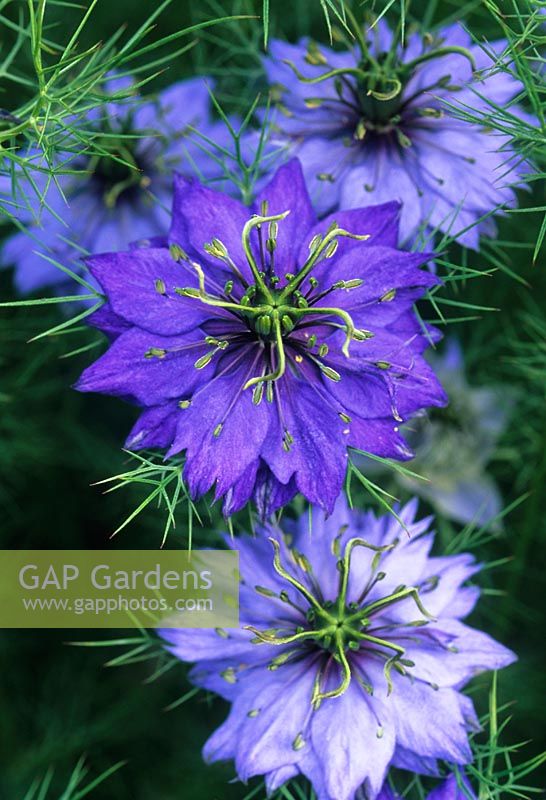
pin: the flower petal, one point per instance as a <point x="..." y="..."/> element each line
<point x="126" y="371"/>
<point x="140" y="285"/>
<point x="287" y="192"/>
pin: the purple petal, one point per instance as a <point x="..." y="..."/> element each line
<point x="287" y="192"/>
<point x="221" y="455"/>
<point x="317" y="456"/>
<point x="141" y="284"/>
<point x="200" y="215"/>
<point x="351" y="759"/>
<point x="125" y="370"/>
<point x="156" y="427"/>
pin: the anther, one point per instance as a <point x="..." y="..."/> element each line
<point x="331" y="249"/>
<point x="229" y="675"/>
<point x="204" y="360"/>
<point x="258" y="394"/>
<point x="155" y="352"/>
<point x="313" y="244"/>
<point x="217" y="249"/>
<point x="388" y="296"/>
<point x="265" y="592"/>
<point x="360" y="130"/>
<point x="287" y="441"/>
<point x="330" y="373"/>
<point x="178" y="253"/>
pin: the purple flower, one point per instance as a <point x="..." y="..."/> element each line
<point x="380" y="122"/>
<point x="237" y="338"/>
<point x="350" y="657"/>
<point x="453" y="788"/>
<point x="114" y="198"/>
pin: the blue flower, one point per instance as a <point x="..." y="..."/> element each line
<point x="351" y="654"/>
<point x="109" y="199"/>
<point x="264" y="344"/>
<point x="383" y="122"/>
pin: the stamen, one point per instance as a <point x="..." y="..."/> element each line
<point x="178" y="253"/>
<point x="350" y="329"/>
<point x="318" y="250"/>
<point x="217" y="249"/>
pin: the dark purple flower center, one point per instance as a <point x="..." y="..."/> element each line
<point x="117" y="170"/>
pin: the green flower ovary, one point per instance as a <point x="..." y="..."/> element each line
<point x="273" y="310"/>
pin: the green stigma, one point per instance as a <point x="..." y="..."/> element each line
<point x="339" y="627"/>
<point x="374" y="87"/>
<point x="272" y="307"/>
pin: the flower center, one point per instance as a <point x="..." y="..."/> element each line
<point x="272" y="307"/>
<point x="339" y="628"/>
<point x="116" y="169"/>
<point x="373" y="90"/>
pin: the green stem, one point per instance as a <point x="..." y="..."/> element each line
<point x="391" y="599"/>
<point x="338" y="312"/>
<point x="346" y="566"/>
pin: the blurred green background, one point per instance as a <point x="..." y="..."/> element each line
<point x="57" y="701"/>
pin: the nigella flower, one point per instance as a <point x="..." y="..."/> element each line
<point x="453" y="788"/>
<point x="351" y="654"/>
<point x="264" y="343"/>
<point x="454" y="445"/>
<point x="382" y="122"/>
<point x="118" y="192"/>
